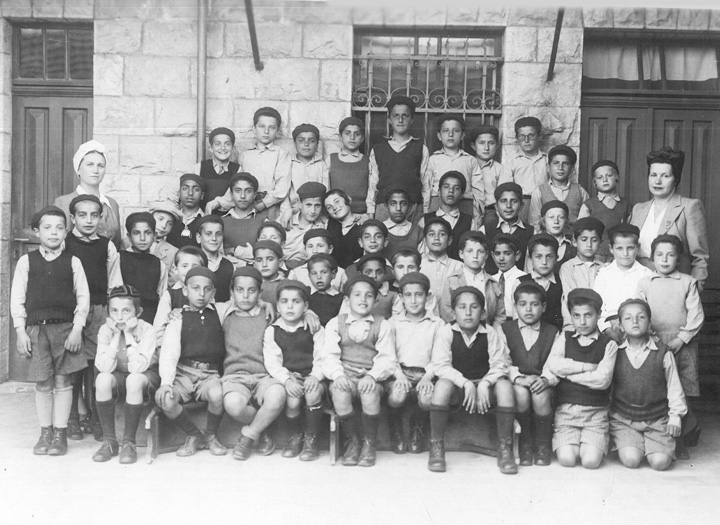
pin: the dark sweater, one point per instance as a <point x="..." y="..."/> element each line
<point x="93" y="255"/>
<point x="217" y="184"/>
<point x="240" y="232"/>
<point x="399" y="169"/>
<point x="358" y="355"/>
<point x="410" y="241"/>
<point x="224" y="276"/>
<point x="529" y="362"/>
<point x="142" y="270"/>
<point x="176" y="238"/>
<point x="553" y="301"/>
<point x="347" y="249"/>
<point x="640" y="394"/>
<point x="297" y="349"/>
<point x="463" y="224"/>
<point x="352" y="178"/>
<point x="472" y="362"/>
<point x="569" y="392"/>
<point x="45" y="276"/>
<point x="326" y="306"/>
<point x="201" y="337"/>
<point x="521" y="237"/>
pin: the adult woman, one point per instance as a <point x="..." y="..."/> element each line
<point x="89" y="163"/>
<point x="344" y="225"/>
<point x="668" y="212"/>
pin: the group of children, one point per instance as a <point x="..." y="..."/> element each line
<point x="279" y="285"/>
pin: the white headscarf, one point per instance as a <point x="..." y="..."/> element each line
<point x="84" y="149"/>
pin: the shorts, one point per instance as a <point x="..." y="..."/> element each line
<point x="153" y="383"/>
<point x="413" y="373"/>
<point x="581" y="424"/>
<point x="96" y="318"/>
<point x="251" y="387"/>
<point x="193" y="383"/>
<point x="49" y="356"/>
<point x="687" y="366"/>
<point x="458" y="395"/>
<point x="649" y="436"/>
<point x="383" y="386"/>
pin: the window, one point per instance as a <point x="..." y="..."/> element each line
<point x="444" y="72"/>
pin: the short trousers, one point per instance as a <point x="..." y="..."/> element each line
<point x="249" y="386"/>
<point x="413" y="373"/>
<point x="49" y="356"/>
<point x="381" y="385"/>
<point x="153" y="383"/>
<point x="96" y="318"/>
<point x="193" y="383"/>
<point x="581" y="424"/>
<point x="687" y="366"/>
<point x="649" y="436"/>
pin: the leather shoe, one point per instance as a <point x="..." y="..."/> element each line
<point x="506" y="458"/>
<point x="107" y="451"/>
<point x="436" y="459"/>
<point x="417" y="436"/>
<point x="543" y="456"/>
<point x="367" y="454"/>
<point x="352" y="451"/>
<point x="397" y="437"/>
<point x="243" y="449"/>
<point x="74" y="430"/>
<point x="294" y="446"/>
<point x="311" y="450"/>
<point x="58" y="445"/>
<point x="128" y="453"/>
<point x="216" y="448"/>
<point x="192" y="445"/>
<point x="265" y="445"/>
<point x="526" y="456"/>
<point x="43" y="444"/>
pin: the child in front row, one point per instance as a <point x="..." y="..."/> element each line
<point x="542" y="250"/>
<point x="293" y="356"/>
<point x="647" y="397"/>
<point x="325" y="301"/>
<point x="127" y="367"/>
<point x="580" y="366"/>
<point x="49" y="325"/>
<point x="472" y="366"/>
<point x="359" y="355"/>
<point x="529" y="340"/>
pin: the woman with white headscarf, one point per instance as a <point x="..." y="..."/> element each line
<point x="89" y="162"/>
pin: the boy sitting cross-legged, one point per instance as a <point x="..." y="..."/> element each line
<point x="359" y="356"/>
<point x="127" y="370"/>
<point x="580" y="366"/>
<point x="472" y="366"/>
<point x="293" y="356"/>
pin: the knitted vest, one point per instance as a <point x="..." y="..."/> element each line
<point x="352" y="178"/>
<point x="358" y="355"/>
<point x="201" y="337"/>
<point x="472" y="362"/>
<point x="569" y="392"/>
<point x="240" y="232"/>
<point x="326" y="306"/>
<point x="573" y="199"/>
<point x="402" y="169"/>
<point x="269" y="290"/>
<point x="244" y="343"/>
<point x="410" y="241"/>
<point x="529" y="362"/>
<point x="177" y="298"/>
<point x="224" y="276"/>
<point x="640" y="394"/>
<point x="176" y="238"/>
<point x="142" y="270"/>
<point x="610" y="218"/>
<point x="347" y="250"/>
<point x="553" y="300"/>
<point x="93" y="255"/>
<point x="43" y="277"/>
<point x="463" y="224"/>
<point x="297" y="349"/>
<point x="217" y="184"/>
<point x="521" y="236"/>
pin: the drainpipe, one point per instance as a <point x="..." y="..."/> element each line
<point x="201" y="78"/>
<point x="556" y="41"/>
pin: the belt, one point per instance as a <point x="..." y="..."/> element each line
<point x="200" y="365"/>
<point x="52" y="321"/>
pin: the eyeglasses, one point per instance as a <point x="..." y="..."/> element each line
<point x="527" y="138"/>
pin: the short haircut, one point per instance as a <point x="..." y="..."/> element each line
<point x="530" y="289"/>
<point x="275" y="226"/>
<point x="209" y="219"/>
<point x="505" y="239"/>
<point x="360" y="265"/>
<point x="373" y="223"/>
<point x="610" y="164"/>
<point x="639" y="302"/>
<point x="340" y="193"/>
<point x="323" y="258"/>
<point x="667" y="239"/>
<point x="267" y="112"/>
<point x="401" y="100"/>
<point x="563" y="150"/>
<point x="582" y="301"/>
<point x="474" y="236"/>
<point x="352" y="121"/>
<point x="357" y="279"/>
<point x="453" y="175"/>
<point x="525" y="122"/>
<point x="247" y="177"/>
<point x="613" y="235"/>
<point x="450" y="116"/>
<point x="437" y="220"/>
<point x="191" y="250"/>
<point x="406" y="253"/>
<point x="80" y="198"/>
<point x="484" y="129"/>
<point x="396" y="191"/>
<point x="542" y="241"/>
<point x="455" y="295"/>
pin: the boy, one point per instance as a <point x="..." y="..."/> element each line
<point x="218" y="170"/>
<point x="619" y="280"/>
<point x="359" y="355"/>
<point x="308" y="165"/>
<point x="403" y="263"/>
<point x="607" y="206"/>
<point x="268" y="162"/>
<point x="241" y="222"/>
<point x="484" y="141"/>
<point x="268" y="255"/>
<point x="399" y="159"/>
<point x="473" y="254"/>
<point x="318" y="240"/>
<point x="344" y="226"/>
<point x="452" y="186"/>
<point x="509" y="202"/>
<point x="349" y="168"/>
<point x="308" y="217"/>
<point x="192" y="352"/>
<point x="373" y="238"/>
<point x="402" y="234"/>
<point x="452" y="157"/>
<point x="529" y="168"/>
<point x="140" y="268"/>
<point x="472" y="366"/>
<point x="293" y="356"/>
<point x="554" y="220"/>
<point x="529" y="340"/>
<point x="416" y="332"/>
<point x="437" y="265"/>
<point x="165" y="215"/>
<point x="504" y="255"/>
<point x="192" y="191"/>
<point x="542" y="249"/>
<point x="561" y="166"/>
<point x="325" y="300"/>
<point x="209" y="235"/>
<point x="647" y="397"/>
<point x="127" y="370"/>
<point x="374" y="265"/>
<point x="580" y="366"/>
<point x="49" y="325"/>
<point x="246" y="383"/>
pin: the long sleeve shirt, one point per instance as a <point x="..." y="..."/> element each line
<point x="558" y="366"/>
<point x="358" y="330"/>
<point x="133" y="354"/>
<point x="528" y="172"/>
<point x="18" y="290"/>
<point x="509" y="281"/>
<point x="438" y="270"/>
<point x="560" y="192"/>
<point x="492" y="174"/>
<point x="442" y="358"/>
<point x="442" y="161"/>
<point x="273" y="356"/>
<point x="576" y="274"/>
<point x="415" y="341"/>
<point x="114" y="275"/>
<point x="615" y="285"/>
<point x="530" y="334"/>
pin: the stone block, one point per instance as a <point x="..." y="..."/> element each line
<point x="145" y="155"/>
<point x="108" y="75"/>
<point x="562" y="126"/>
<point x="694" y="19"/>
<point x="525" y="84"/>
<point x="431" y="16"/>
<point x="5" y="37"/>
<point x="325" y="115"/>
<point x="336" y="80"/>
<point x="319" y="13"/>
<point x="219" y="112"/>
<point x="521" y="44"/>
<point x="120" y="36"/>
<point x="16" y="8"/>
<point x="268" y="13"/>
<point x="123" y="115"/>
<point x="183" y="158"/>
<point x="75" y="9"/>
<point x="244" y="111"/>
<point x="274" y="40"/>
<point x="227" y="10"/>
<point x="327" y="41"/>
<point x="176" y="117"/>
<point x="462" y="16"/>
<point x="570" y="45"/>
<point x="170" y="38"/>
<point x="158" y="188"/>
<point x="403" y="16"/>
<point x="715" y="20"/>
<point x="124" y="188"/>
<point x="533" y="16"/>
<point x="493" y="16"/>
<point x="287" y="79"/>
<point x="110" y="9"/>
<point x="367" y="16"/>
<point x="661" y="18"/>
<point x="597" y="17"/>
<point x="173" y="9"/>
<point x="6" y="113"/>
<point x="47" y="8"/>
<point x="157" y="76"/>
<point x="230" y="78"/>
<point x="215" y="39"/>
<point x="628" y="18"/>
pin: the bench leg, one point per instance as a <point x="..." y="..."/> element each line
<point x="152" y="425"/>
<point x="334" y="438"/>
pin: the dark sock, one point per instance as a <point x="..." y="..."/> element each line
<point x="505" y="417"/>
<point x="76" y="389"/>
<point x="349" y="424"/>
<point x="526" y="425"/>
<point x="184" y="423"/>
<point x="106" y="415"/>
<point x="294" y="424"/>
<point x="544" y="430"/>
<point x="438" y="422"/>
<point x="213" y="423"/>
<point x="313" y="416"/>
<point x="132" y="421"/>
<point x="370" y="425"/>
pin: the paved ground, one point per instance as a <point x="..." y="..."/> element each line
<point x="205" y="489"/>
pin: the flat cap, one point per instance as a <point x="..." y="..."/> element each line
<point x="222" y="131"/>
<point x="587" y="294"/>
<point x="247" y="271"/>
<point x="196" y="178"/>
<point x="305" y="128"/>
<point x="589" y="223"/>
<point x="508" y="186"/>
<point x="415" y="278"/>
<point x="311" y="190"/>
<point x="359" y="278"/>
<point x="201" y="271"/>
<point x="139" y="216"/>
<point x="549" y="205"/>
<point x="467" y="289"/>
<point x="351" y="121"/>
<point x="292" y="284"/>
<point x="81" y="198"/>
<point x="317" y="233"/>
<point x="268" y="245"/>
<point x="168" y="207"/>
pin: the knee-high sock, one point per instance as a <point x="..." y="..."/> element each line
<point x="213" y="423"/>
<point x="184" y="423"/>
<point x="44" y="407"/>
<point x="132" y="421"/>
<point x="62" y="401"/>
<point x="77" y="383"/>
<point x="527" y="435"/>
<point x="438" y="421"/>
<point x="106" y="414"/>
<point x="313" y="417"/>
<point x="370" y="425"/>
<point x="505" y="419"/>
<point x="349" y="425"/>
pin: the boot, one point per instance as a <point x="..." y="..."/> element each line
<point x="43" y="444"/>
<point x="74" y="431"/>
<point x="128" y="453"/>
<point x="192" y="445"/>
<point x="107" y="451"/>
<point x="397" y="436"/>
<point x="243" y="449"/>
<point x="352" y="451"/>
<point x="417" y="432"/>
<point x="216" y="448"/>
<point x="311" y="450"/>
<point x="436" y="459"/>
<point x="58" y="445"/>
<point x="367" y="454"/>
<point x="294" y="445"/>
<point x="505" y="458"/>
<point x="543" y="439"/>
<point x="266" y="444"/>
<point x="526" y="446"/>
